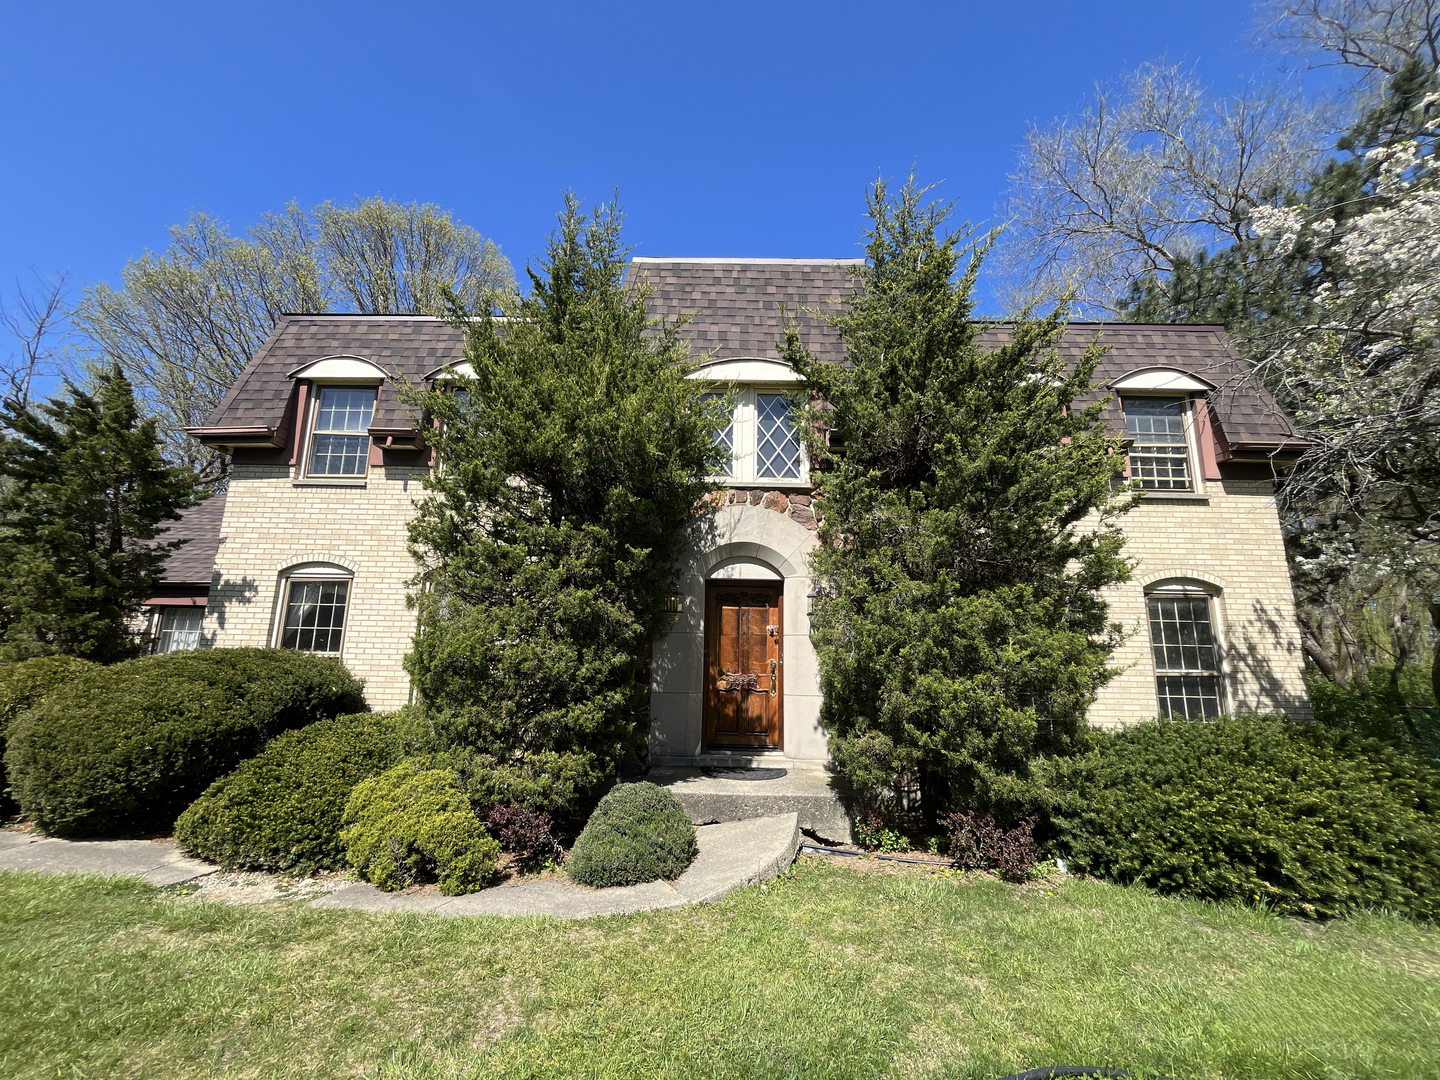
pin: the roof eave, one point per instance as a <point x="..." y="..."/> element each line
<point x="222" y="437"/>
<point x="1284" y="452"/>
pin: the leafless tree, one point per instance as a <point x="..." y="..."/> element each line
<point x="1152" y="169"/>
<point x="1375" y="37"/>
<point x="36" y="318"/>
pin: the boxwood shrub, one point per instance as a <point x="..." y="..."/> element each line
<point x="22" y="686"/>
<point x="282" y="810"/>
<point x="123" y="749"/>
<point x="1301" y="818"/>
<point x="410" y="825"/>
<point x="638" y="833"/>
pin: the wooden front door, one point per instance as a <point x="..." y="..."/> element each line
<point x="744" y="669"/>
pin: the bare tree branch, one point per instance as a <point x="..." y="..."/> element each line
<point x="37" y="320"/>
<point x="185" y="323"/>
<point x="1375" y="37"/>
<point x="1150" y="171"/>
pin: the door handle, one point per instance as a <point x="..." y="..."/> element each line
<point x="774" y="664"/>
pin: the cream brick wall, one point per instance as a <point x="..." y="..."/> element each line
<point x="272" y="524"/>
<point x="1232" y="545"/>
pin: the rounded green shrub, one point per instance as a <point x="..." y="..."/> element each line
<point x="638" y="833"/>
<point x="123" y="749"/>
<point x="1303" y="819"/>
<point x="411" y="824"/>
<point x="282" y="809"/>
<point x="22" y="686"/>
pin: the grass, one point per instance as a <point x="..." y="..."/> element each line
<point x="832" y="971"/>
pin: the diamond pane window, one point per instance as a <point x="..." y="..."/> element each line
<point x="1159" y="452"/>
<point x="315" y="616"/>
<point x="340" y="445"/>
<point x="725" y="439"/>
<point x="180" y="629"/>
<point x="1187" y="658"/>
<point x="777" y="445"/>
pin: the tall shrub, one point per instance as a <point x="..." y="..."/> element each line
<point x="569" y="467"/>
<point x="967" y="532"/>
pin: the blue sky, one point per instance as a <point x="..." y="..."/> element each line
<point x="729" y="129"/>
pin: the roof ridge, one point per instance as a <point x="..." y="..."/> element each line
<point x="336" y="316"/>
<point x="744" y="261"/>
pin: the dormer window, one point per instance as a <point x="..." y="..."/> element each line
<point x="339" y="439"/>
<point x="777" y="447"/>
<point x="1157" y="404"/>
<point x="761" y="441"/>
<point x="1160" y="444"/>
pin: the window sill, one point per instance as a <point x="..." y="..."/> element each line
<point x="1177" y="496"/>
<point x="802" y="484"/>
<point x="322" y="481"/>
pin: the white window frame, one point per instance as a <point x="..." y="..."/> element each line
<point x="1215" y="607"/>
<point x="1192" y="454"/>
<point x="168" y="611"/>
<point x="312" y="573"/>
<point x="747" y="378"/>
<point x="745" y="428"/>
<point x="312" y="410"/>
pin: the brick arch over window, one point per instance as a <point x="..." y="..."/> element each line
<point x="293" y="562"/>
<point x="1185" y="575"/>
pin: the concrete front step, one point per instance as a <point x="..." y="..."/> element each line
<point x="737" y="794"/>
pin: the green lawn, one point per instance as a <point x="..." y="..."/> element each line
<point x="832" y="971"/>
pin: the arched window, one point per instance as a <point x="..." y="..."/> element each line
<point x="314" y="603"/>
<point x="1187" y="650"/>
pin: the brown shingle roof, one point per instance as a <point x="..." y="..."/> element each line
<point x="408" y="345"/>
<point x="194" y="562"/>
<point x="1247" y="413"/>
<point x="737" y="309"/>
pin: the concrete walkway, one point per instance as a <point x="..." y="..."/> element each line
<point x="732" y="855"/>
<point x="156" y="862"/>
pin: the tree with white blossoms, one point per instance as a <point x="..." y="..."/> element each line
<point x="1363" y="371"/>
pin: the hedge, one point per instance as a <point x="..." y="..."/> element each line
<point x="410" y="825"/>
<point x="124" y="749"/>
<point x="22" y="686"/>
<point x="638" y="833"/>
<point x="1303" y="819"/>
<point x="282" y="810"/>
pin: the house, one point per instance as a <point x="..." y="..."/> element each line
<point x="327" y="465"/>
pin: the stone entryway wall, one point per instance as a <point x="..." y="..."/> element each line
<point x="771" y="531"/>
<point x="799" y="508"/>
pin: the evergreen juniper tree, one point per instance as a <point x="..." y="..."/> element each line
<point x="968" y="528"/>
<point x="568" y="470"/>
<point x="85" y="495"/>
